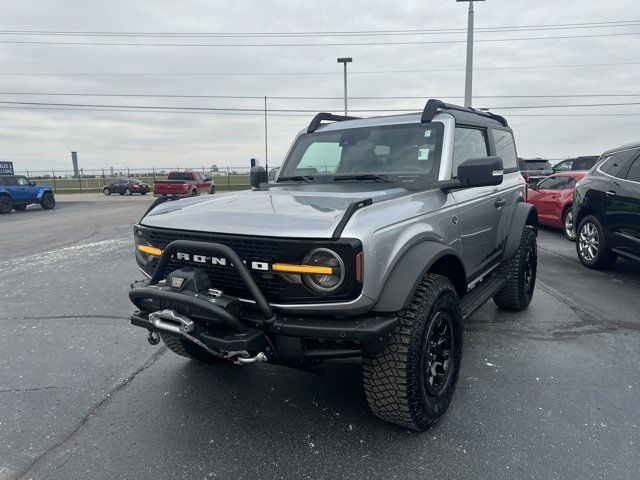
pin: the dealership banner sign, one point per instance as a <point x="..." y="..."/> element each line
<point x="6" y="168"/>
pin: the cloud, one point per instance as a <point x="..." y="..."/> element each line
<point x="38" y="139"/>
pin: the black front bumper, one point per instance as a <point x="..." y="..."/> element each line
<point x="253" y="329"/>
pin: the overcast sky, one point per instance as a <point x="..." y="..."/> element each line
<point x="42" y="139"/>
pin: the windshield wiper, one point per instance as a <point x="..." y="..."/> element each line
<point x="362" y="178"/>
<point x="296" y="178"/>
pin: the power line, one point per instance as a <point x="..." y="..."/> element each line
<point x="326" y="44"/>
<point x="170" y="112"/>
<point x="293" y="110"/>
<point x="289" y="97"/>
<point x="449" y="30"/>
<point x="258" y="74"/>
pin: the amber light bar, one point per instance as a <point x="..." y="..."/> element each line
<point x="150" y="250"/>
<point x="290" y="268"/>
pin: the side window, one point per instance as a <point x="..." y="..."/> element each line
<point x="23" y="182"/>
<point x="11" y="181"/>
<point x="554" y="183"/>
<point x="468" y="143"/>
<point x="505" y="148"/>
<point x="320" y="157"/>
<point x="634" y="172"/>
<point x="613" y="163"/>
<point x="564" y="166"/>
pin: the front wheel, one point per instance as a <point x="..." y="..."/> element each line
<point x="213" y="190"/>
<point x="6" y="205"/>
<point x="411" y="382"/>
<point x="194" y="193"/>
<point x="591" y="245"/>
<point x="127" y="192"/>
<point x="520" y="271"/>
<point x="106" y="191"/>
<point x="48" y="201"/>
<point x="186" y="348"/>
<point x="568" y="227"/>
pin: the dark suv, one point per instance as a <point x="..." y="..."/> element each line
<point x="534" y="169"/>
<point x="576" y="164"/>
<point x="607" y="209"/>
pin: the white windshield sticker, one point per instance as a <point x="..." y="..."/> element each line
<point x="427" y="133"/>
<point x="423" y="154"/>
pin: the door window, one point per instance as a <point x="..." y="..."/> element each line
<point x="634" y="171"/>
<point x="613" y="163"/>
<point x="23" y="182"/>
<point x="555" y="183"/>
<point x="505" y="148"/>
<point x="468" y="143"/>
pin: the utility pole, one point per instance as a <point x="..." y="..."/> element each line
<point x="266" y="140"/>
<point x="344" y="61"/>
<point x="468" y="82"/>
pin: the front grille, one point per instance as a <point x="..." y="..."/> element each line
<point x="274" y="287"/>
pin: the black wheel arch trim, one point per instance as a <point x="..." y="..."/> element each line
<point x="523" y="214"/>
<point x="409" y="270"/>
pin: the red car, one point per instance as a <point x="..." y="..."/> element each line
<point x="553" y="197"/>
<point x="184" y="184"/>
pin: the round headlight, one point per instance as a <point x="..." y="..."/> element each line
<point x="324" y="282"/>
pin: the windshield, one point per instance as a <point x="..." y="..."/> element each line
<point x="403" y="153"/>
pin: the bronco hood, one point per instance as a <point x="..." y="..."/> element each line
<point x="278" y="212"/>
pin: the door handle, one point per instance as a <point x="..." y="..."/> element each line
<point x="611" y="193"/>
<point x="500" y="202"/>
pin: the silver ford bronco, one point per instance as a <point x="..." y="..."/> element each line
<point x="377" y="238"/>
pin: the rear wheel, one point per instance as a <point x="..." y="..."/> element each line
<point x="6" y="204"/>
<point x="194" y="193"/>
<point x="568" y="227"/>
<point x="185" y="348"/>
<point x="19" y="208"/>
<point x="106" y="191"/>
<point x="213" y="190"/>
<point x="591" y="245"/>
<point x="48" y="201"/>
<point x="521" y="271"/>
<point x="411" y="382"/>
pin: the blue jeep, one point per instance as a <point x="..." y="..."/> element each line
<point x="16" y="192"/>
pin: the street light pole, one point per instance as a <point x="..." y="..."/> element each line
<point x="468" y="82"/>
<point x="344" y="61"/>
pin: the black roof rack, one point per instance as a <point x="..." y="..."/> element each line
<point x="433" y="105"/>
<point x="319" y="118"/>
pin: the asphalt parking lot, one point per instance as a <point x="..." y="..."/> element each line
<point x="552" y="392"/>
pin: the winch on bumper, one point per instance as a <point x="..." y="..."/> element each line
<point x="186" y="304"/>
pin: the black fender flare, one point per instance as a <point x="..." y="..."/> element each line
<point x="408" y="271"/>
<point x="523" y="214"/>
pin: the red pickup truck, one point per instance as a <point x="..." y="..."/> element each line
<point x="184" y="184"/>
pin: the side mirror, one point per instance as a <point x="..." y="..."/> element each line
<point x="535" y="186"/>
<point x="33" y="184"/>
<point x="257" y="175"/>
<point x="480" y="172"/>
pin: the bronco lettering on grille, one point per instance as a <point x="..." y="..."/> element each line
<point x="221" y="261"/>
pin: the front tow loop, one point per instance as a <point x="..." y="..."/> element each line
<point x="245" y="358"/>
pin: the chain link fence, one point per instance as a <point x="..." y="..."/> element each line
<point x="226" y="178"/>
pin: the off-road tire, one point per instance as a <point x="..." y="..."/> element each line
<point x="6" y="205"/>
<point x="185" y="348"/>
<point x="566" y="215"/>
<point x="19" y="208"/>
<point x="106" y="191"/>
<point x="604" y="258"/>
<point x="394" y="379"/>
<point x="48" y="201"/>
<point x="516" y="294"/>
